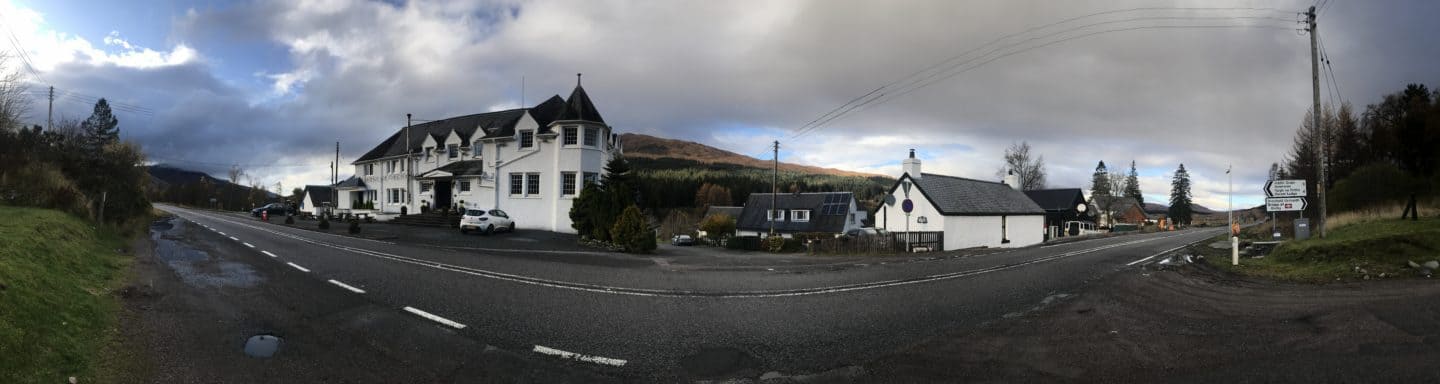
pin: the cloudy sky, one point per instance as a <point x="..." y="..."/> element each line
<point x="272" y="85"/>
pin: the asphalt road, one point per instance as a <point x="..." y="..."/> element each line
<point x="640" y="321"/>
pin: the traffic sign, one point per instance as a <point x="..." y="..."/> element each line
<point x="907" y="206"/>
<point x="1282" y="204"/>
<point x="1285" y="188"/>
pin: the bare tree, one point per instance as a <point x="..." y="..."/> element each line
<point x="235" y="173"/>
<point x="1028" y="168"/>
<point x="14" y="104"/>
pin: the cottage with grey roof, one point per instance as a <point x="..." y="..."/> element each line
<point x="960" y="212"/>
<point x="791" y="213"/>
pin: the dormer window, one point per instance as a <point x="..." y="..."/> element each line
<point x="452" y="151"/>
<point x="800" y="215"/>
<point x="476" y="149"/>
<point x="427" y="152"/>
<point x="527" y="139"/>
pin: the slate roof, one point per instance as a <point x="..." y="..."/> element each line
<point x="961" y="196"/>
<point x="352" y="182"/>
<point x="1057" y="199"/>
<point x="464" y="168"/>
<point x="465" y="126"/>
<point x="319" y="194"/>
<point x="1120" y="204"/>
<point x="579" y="107"/>
<point x="752" y="217"/>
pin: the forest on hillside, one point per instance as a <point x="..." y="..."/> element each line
<point x="667" y="183"/>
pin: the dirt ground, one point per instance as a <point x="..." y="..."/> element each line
<point x="1194" y="323"/>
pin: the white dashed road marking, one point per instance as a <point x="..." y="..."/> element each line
<point x="233" y="238"/>
<point x="248" y="245"/>
<point x="221" y="233"/>
<point x="267" y="253"/>
<point x="302" y="269"/>
<point x="579" y="357"/>
<point x="434" y="318"/>
<point x="346" y="286"/>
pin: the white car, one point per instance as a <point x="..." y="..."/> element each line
<point x="486" y="222"/>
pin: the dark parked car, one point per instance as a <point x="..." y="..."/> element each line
<point x="275" y="209"/>
<point x="682" y="240"/>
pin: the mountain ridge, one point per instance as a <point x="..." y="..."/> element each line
<point x="654" y="147"/>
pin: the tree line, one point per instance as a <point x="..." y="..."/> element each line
<point x="1383" y="154"/>
<point x="81" y="167"/>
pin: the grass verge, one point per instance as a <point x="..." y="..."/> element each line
<point x="56" y="310"/>
<point x="1371" y="249"/>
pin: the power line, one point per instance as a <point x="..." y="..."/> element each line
<point x="1325" y="58"/>
<point x="943" y="63"/>
<point x="966" y="65"/>
<point x="187" y="161"/>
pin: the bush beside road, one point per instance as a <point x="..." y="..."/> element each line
<point x="57" y="273"/>
<point x="1372" y="249"/>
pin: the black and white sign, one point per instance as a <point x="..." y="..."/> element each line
<point x="1285" y="188"/>
<point x="1282" y="204"/>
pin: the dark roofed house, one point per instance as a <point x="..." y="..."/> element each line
<point x="531" y="162"/>
<point x="815" y="212"/>
<point x="960" y="212"/>
<point x="1112" y="210"/>
<point x="1066" y="213"/>
<point x="316" y="197"/>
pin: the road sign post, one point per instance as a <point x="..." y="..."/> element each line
<point x="1285" y="195"/>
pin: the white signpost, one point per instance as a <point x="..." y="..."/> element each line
<point x="1285" y="188"/>
<point x="1282" y="204"/>
<point x="1285" y="195"/>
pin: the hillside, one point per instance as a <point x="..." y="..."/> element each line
<point x="178" y="185"/>
<point x="651" y="147"/>
<point x="1194" y="208"/>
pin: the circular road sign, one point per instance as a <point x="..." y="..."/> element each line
<point x="907" y="205"/>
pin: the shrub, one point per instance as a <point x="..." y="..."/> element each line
<point x="44" y="186"/>
<point x="1372" y="185"/>
<point x="324" y="222"/>
<point x="718" y="226"/>
<point x="632" y="233"/>
<point x="355" y="226"/>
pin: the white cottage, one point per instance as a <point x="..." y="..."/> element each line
<point x="965" y="213"/>
<point x="529" y="162"/>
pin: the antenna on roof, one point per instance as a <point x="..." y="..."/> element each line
<point x="522" y="91"/>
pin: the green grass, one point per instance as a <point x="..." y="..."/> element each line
<point x="1375" y="247"/>
<point x="56" y="309"/>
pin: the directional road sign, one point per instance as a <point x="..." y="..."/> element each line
<point x="1285" y="188"/>
<point x="1281" y="204"/>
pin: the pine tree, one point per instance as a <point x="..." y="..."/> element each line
<point x="1180" y="210"/>
<point x="102" y="127"/>
<point x="1132" y="185"/>
<point x="1100" y="183"/>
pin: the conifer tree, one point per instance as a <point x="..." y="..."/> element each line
<point x="1180" y="210"/>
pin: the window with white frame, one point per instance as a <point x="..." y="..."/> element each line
<point x="592" y="136"/>
<point x="800" y="215"/>
<point x="567" y="183"/>
<point x="532" y="184"/>
<point x="591" y="178"/>
<point x="425" y="187"/>
<point x="452" y="151"/>
<point x="477" y="149"/>
<point x="427" y="153"/>
<point x="369" y="169"/>
<point x="465" y="186"/>
<point x="517" y="183"/>
<point x="394" y="195"/>
<point x="572" y="136"/>
<point x="527" y="139"/>
<point x="776" y="215"/>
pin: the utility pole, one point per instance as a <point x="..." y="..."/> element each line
<point x="50" y="116"/>
<point x="408" y="168"/>
<point x="774" y="189"/>
<point x="1315" y="113"/>
<point x="335" y="178"/>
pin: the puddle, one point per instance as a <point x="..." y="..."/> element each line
<point x="262" y="346"/>
<point x="197" y="267"/>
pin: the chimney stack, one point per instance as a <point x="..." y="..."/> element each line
<point x="1012" y="180"/>
<point x="911" y="166"/>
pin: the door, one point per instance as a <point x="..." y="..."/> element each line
<point x="442" y="194"/>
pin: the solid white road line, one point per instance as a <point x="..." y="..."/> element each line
<point x="248" y="245"/>
<point x="302" y="269"/>
<point x="267" y="253"/>
<point x="346" y="286"/>
<point x="1147" y="258"/>
<point x="579" y="357"/>
<point x="434" y="318"/>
